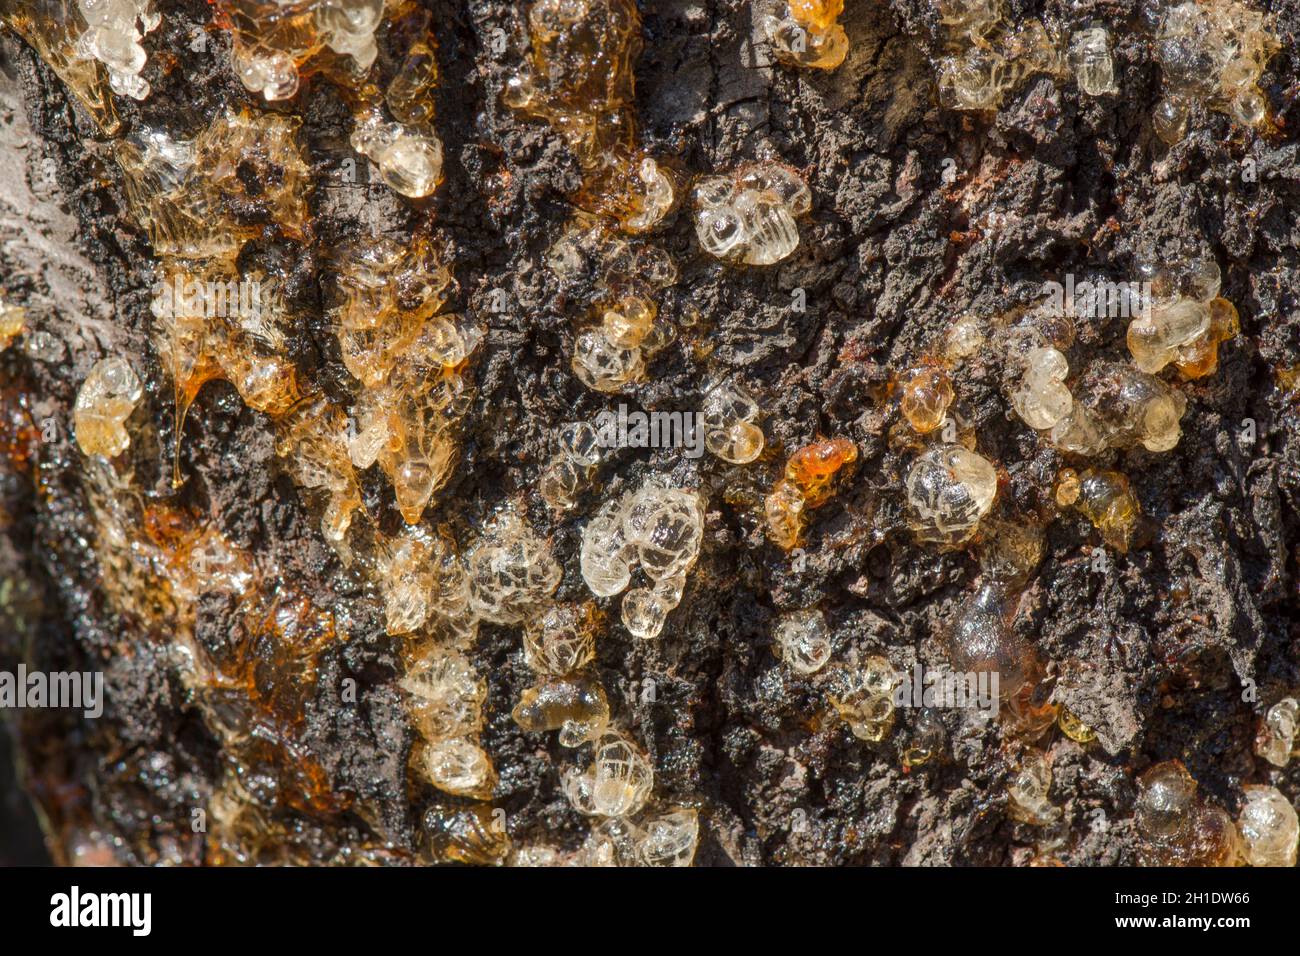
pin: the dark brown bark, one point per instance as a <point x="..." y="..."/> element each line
<point x="1154" y="653"/>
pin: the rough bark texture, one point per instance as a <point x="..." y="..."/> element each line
<point x="1153" y="653"/>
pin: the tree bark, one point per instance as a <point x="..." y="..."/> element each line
<point x="920" y="215"/>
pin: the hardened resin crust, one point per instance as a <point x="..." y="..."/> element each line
<point x="686" y="432"/>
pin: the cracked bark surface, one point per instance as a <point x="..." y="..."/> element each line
<point x="1153" y="654"/>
